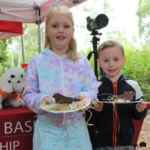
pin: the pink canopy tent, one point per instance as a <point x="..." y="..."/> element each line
<point x="31" y="11"/>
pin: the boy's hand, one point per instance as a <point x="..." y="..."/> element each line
<point x="46" y="101"/>
<point x="82" y="96"/>
<point x="140" y="106"/>
<point x="98" y="106"/>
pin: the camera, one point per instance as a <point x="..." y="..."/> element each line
<point x="142" y="144"/>
<point x="99" y="22"/>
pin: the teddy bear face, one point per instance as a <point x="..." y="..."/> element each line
<point x="13" y="80"/>
<point x="17" y="82"/>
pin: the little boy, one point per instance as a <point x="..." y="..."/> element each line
<point x="113" y="126"/>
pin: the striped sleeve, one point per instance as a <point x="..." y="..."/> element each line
<point x="136" y="87"/>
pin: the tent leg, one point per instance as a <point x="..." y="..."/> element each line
<point x="23" y="53"/>
<point x="39" y="38"/>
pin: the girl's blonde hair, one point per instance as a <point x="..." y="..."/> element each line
<point x="72" y="48"/>
<point x="110" y="43"/>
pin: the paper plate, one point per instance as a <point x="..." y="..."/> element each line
<point x="75" y="106"/>
<point x="110" y="102"/>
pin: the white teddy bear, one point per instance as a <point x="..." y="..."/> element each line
<point x="12" y="83"/>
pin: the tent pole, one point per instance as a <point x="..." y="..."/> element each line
<point x="38" y="13"/>
<point x="39" y="38"/>
<point x="23" y="53"/>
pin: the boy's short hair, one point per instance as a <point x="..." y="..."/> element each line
<point x="110" y="43"/>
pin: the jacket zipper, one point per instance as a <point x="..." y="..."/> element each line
<point x="64" y="91"/>
<point x="115" y="116"/>
<point x="62" y="76"/>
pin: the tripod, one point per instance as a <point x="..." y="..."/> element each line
<point x="94" y="42"/>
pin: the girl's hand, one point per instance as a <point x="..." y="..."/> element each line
<point x="82" y="96"/>
<point x="140" y="106"/>
<point x="46" y="101"/>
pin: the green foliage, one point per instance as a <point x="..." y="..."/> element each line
<point x="31" y="41"/>
<point x="137" y="67"/>
<point x="117" y="35"/>
<point x="3" y="51"/>
<point x="143" y="14"/>
<point x="2" y="70"/>
<point x="106" y="7"/>
<point x="13" y="47"/>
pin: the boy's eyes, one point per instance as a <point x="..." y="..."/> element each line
<point x="116" y="59"/>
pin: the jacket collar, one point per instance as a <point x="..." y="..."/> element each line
<point x="121" y="78"/>
<point x="49" y="52"/>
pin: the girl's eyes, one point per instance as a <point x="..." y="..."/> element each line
<point x="116" y="59"/>
<point x="66" y="26"/>
<point x="55" y="26"/>
<point x="105" y="60"/>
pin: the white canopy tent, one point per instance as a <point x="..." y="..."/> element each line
<point x="31" y="11"/>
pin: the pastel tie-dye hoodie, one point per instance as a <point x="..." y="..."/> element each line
<point x="47" y="73"/>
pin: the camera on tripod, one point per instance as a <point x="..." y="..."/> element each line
<point x="99" y="22"/>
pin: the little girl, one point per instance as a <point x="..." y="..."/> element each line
<point x="59" y="69"/>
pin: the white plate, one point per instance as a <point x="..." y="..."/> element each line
<point x="86" y="104"/>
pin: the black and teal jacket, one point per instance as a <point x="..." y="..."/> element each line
<point x="113" y="126"/>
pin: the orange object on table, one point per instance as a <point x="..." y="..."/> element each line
<point x="24" y="66"/>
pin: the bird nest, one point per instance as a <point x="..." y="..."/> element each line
<point x="115" y="99"/>
<point x="74" y="106"/>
